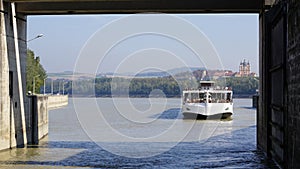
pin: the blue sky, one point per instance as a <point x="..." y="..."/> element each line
<point x="235" y="37"/>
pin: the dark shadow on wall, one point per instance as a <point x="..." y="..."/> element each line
<point x="17" y="120"/>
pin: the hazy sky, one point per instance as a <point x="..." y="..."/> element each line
<point x="235" y="37"/>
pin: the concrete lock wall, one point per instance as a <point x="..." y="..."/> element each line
<point x="40" y="105"/>
<point x="4" y="92"/>
<point x="56" y="101"/>
<point x="37" y="118"/>
<point x="12" y="111"/>
<point x="293" y="85"/>
<point x="290" y="148"/>
<point x="16" y="111"/>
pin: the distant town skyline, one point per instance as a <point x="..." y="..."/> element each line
<point x="235" y="37"/>
<point x="244" y="70"/>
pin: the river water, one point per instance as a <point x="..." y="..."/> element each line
<point x="141" y="133"/>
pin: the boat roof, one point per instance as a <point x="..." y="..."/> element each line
<point x="209" y="91"/>
<point x="207" y="81"/>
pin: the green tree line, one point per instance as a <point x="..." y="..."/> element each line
<point x="35" y="73"/>
<point x="106" y="87"/>
<point x="133" y="87"/>
<point x="240" y="85"/>
<point x="142" y="87"/>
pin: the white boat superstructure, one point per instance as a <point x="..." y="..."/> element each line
<point x="207" y="101"/>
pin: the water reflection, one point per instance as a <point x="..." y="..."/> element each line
<point x="173" y="113"/>
<point x="231" y="145"/>
<point x="235" y="150"/>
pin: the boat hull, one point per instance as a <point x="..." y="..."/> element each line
<point x="207" y="110"/>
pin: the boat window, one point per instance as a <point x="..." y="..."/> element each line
<point x="186" y="98"/>
<point x="202" y="98"/>
<point x="195" y="97"/>
<point x="228" y="97"/>
<point x="205" y="97"/>
<point x="212" y="97"/>
<point x="217" y="98"/>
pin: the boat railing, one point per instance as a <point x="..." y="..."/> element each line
<point x="209" y="101"/>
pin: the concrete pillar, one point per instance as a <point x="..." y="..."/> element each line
<point x="261" y="113"/>
<point x="13" y="50"/>
<point x="4" y="83"/>
<point x="16" y="30"/>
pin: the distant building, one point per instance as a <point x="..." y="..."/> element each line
<point x="229" y="73"/>
<point x="245" y="70"/>
<point x="216" y="74"/>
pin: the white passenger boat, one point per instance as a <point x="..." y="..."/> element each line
<point x="207" y="101"/>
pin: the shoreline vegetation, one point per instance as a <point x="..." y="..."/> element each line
<point x="168" y="86"/>
<point x="144" y="85"/>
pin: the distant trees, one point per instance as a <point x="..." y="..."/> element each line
<point x="240" y="85"/>
<point x="144" y="86"/>
<point x="136" y="87"/>
<point x="171" y="86"/>
<point x="34" y="72"/>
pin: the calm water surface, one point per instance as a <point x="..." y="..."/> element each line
<point x="138" y="135"/>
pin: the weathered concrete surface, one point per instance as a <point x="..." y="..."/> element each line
<point x="4" y="87"/>
<point x="288" y="152"/>
<point x="56" y="101"/>
<point x="293" y="85"/>
<point x="38" y="117"/>
<point x="16" y="127"/>
<point x="12" y="119"/>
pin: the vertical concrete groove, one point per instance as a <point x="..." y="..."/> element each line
<point x="17" y="55"/>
